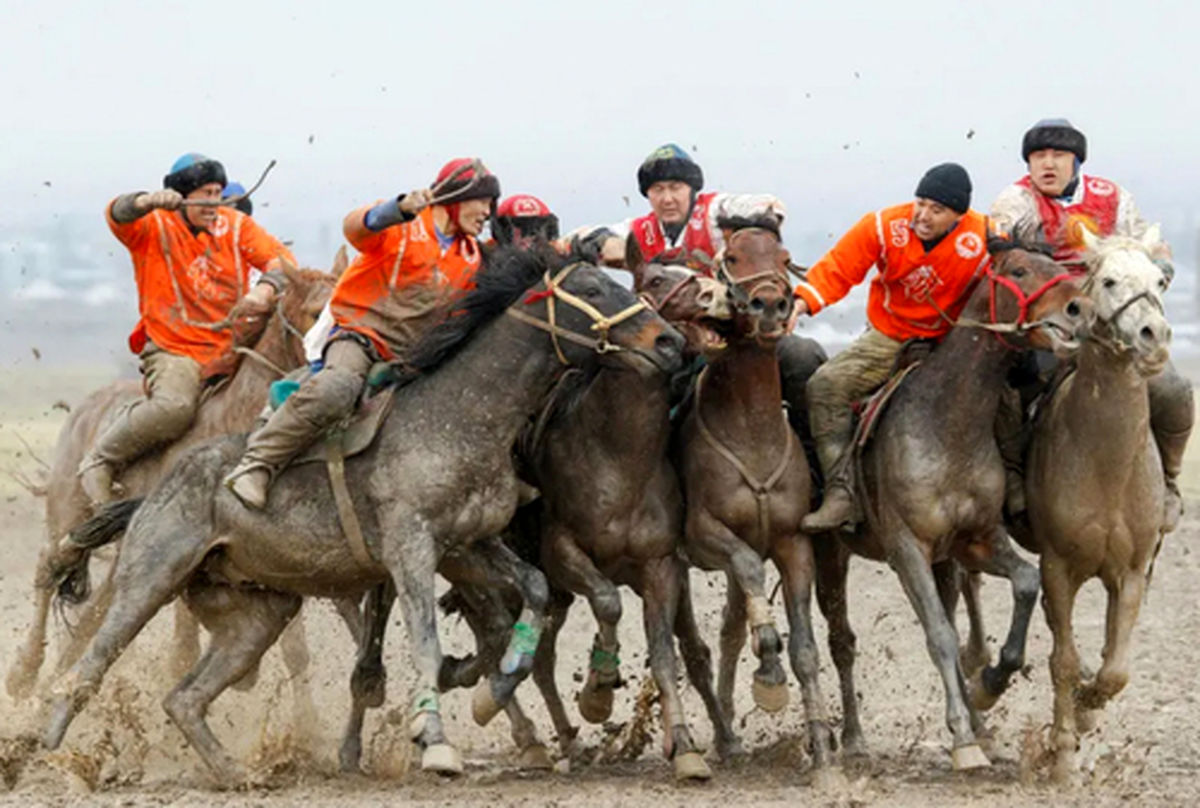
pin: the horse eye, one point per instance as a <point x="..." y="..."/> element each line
<point x="656" y="282"/>
<point x="593" y="292"/>
<point x="1018" y="272"/>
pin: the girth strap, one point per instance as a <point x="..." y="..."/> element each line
<point x="335" y="462"/>
<point x="761" y="490"/>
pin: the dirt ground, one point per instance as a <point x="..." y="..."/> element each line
<point x="123" y="751"/>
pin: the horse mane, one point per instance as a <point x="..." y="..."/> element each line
<point x="761" y="221"/>
<point x="1027" y="234"/>
<point x="507" y="272"/>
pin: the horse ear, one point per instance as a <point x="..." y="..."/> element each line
<point x="294" y="275"/>
<point x="633" y="258"/>
<point x="1152" y="237"/>
<point x="340" y="262"/>
<point x="1090" y="240"/>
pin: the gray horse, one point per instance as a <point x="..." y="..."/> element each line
<point x="438" y="477"/>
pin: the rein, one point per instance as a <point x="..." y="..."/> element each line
<point x="601" y="322"/>
<point x="742" y="290"/>
<point x="288" y="330"/>
<point x="1022" y="323"/>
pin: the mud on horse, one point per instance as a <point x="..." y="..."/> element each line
<point x="932" y="484"/>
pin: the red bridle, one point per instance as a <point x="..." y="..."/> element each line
<point x="1023" y="301"/>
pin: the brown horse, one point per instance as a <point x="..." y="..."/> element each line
<point x="747" y="486"/>
<point x="231" y="409"/>
<point x="1095" y="485"/>
<point x="933" y="483"/>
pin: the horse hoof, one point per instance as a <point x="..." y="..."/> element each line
<point x="771" y="698"/>
<point x="483" y="704"/>
<point x="829" y="780"/>
<point x="595" y="704"/>
<point x="535" y="758"/>
<point x="973" y="660"/>
<point x="691" y="766"/>
<point x="978" y="693"/>
<point x="968" y="757"/>
<point x="441" y="758"/>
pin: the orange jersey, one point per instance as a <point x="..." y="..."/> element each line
<point x="402" y="283"/>
<point x="187" y="281"/>
<point x="912" y="284"/>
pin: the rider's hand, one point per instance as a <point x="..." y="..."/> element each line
<point x="262" y="294"/>
<point x="799" y="307"/>
<point x="166" y="199"/>
<point x="416" y="201"/>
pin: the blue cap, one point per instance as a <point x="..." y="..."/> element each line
<point x="232" y="189"/>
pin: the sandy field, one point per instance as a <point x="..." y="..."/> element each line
<point x="123" y="751"/>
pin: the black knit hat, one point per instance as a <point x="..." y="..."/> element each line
<point x="192" y="171"/>
<point x="669" y="162"/>
<point x="947" y="184"/>
<point x="1054" y="133"/>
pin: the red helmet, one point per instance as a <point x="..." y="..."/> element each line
<point x="524" y="218"/>
<point x="466" y="185"/>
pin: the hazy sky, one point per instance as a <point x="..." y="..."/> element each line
<point x="836" y="106"/>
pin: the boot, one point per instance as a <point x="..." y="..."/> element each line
<point x="249" y="483"/>
<point x="96" y="480"/>
<point x="839" y="509"/>
<point x="1171" y="446"/>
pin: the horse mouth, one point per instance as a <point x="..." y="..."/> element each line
<point x="705" y="335"/>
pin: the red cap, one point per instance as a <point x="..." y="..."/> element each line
<point x="522" y="205"/>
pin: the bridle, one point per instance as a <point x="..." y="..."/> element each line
<point x="289" y="330"/>
<point x="742" y="290"/>
<point x="658" y="305"/>
<point x="601" y="323"/>
<point x="1024" y="301"/>
<point x="1110" y="341"/>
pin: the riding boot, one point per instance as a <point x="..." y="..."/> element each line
<point x="320" y="402"/>
<point x="839" y="510"/>
<point x="1011" y="439"/>
<point x="1171" y="415"/>
<point x="799" y="358"/>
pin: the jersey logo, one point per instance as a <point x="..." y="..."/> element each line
<point x="920" y="283"/>
<point x="968" y="245"/>
<point x="220" y="226"/>
<point x="417" y="231"/>
<point x="648" y="233"/>
<point x="899" y="233"/>
<point x="1101" y="187"/>
<point x="200" y="272"/>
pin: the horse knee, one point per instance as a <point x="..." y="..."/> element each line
<point x="1026" y="584"/>
<point x="173" y="414"/>
<point x="537" y="590"/>
<point x="842" y="647"/>
<point x="606" y="603"/>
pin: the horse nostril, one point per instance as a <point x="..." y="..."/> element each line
<point x="668" y="343"/>
<point x="1073" y="309"/>
<point x="1147" y="334"/>
<point x="705" y="298"/>
<point x="757" y="305"/>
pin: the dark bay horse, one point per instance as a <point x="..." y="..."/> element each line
<point x="231" y="409"/>
<point x="747" y="486"/>
<point x="932" y="482"/>
<point x="438" y="478"/>
<point x="1095" y="485"/>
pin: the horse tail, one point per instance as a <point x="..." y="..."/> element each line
<point x="105" y="527"/>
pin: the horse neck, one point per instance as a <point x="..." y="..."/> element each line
<point x="969" y="366"/>
<point x="623" y="415"/>
<point x="245" y="393"/>
<point x="1107" y="398"/>
<point x="498" y="379"/>
<point x="742" y="395"/>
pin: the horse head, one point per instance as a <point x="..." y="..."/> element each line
<point x="688" y="300"/>
<point x="300" y="304"/>
<point x="753" y="268"/>
<point x="1034" y="299"/>
<point x="592" y="318"/>
<point x="1126" y="287"/>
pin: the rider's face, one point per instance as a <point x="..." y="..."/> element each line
<point x="203" y="218"/>
<point x="932" y="219"/>
<point x="1050" y="170"/>
<point x="670" y="200"/>
<point x="473" y="214"/>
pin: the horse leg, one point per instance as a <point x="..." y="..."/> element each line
<point x="949" y="576"/>
<point x="293" y="644"/>
<point x="974" y="654"/>
<point x="413" y="565"/>
<point x="912" y="566"/>
<point x="544" y="664"/>
<point x="532" y="752"/>
<point x="698" y="660"/>
<point x="794" y="558"/>
<point x="1002" y="560"/>
<point x="733" y="639"/>
<point x="659" y="587"/>
<point x="833" y="564"/>
<point x="1058" y="602"/>
<point x="244" y="623"/>
<point x="88" y="625"/>
<point x="185" y="645"/>
<point x="1124" y="600"/>
<point x="571" y="568"/>
<point x="368" y="682"/>
<point x="149" y="572"/>
<point x="22" y="676"/>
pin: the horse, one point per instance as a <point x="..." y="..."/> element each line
<point x="230" y="408"/>
<point x="747" y="485"/>
<point x="1094" y="483"/>
<point x="609" y="435"/>
<point x="932" y="483"/>
<point x="438" y="477"/>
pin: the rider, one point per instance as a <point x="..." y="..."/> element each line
<point x="243" y="204"/>
<point x="192" y="265"/>
<point x="1062" y="199"/>
<point x="418" y="252"/>
<point x="929" y="253"/>
<point x="683" y="227"/>
<point x="523" y="219"/>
